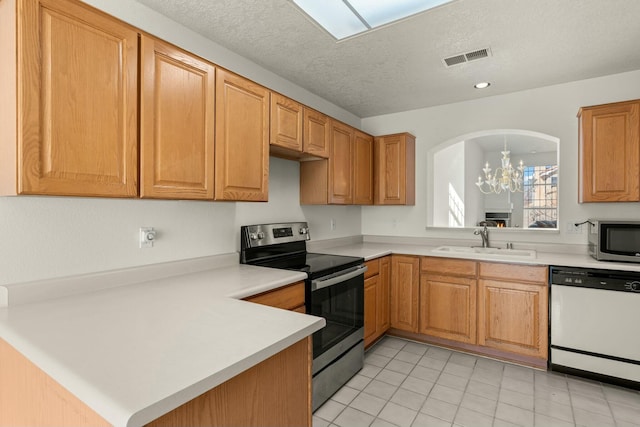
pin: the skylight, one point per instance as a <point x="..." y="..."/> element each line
<point x="345" y="18"/>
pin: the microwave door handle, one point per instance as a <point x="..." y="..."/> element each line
<point x="320" y="284"/>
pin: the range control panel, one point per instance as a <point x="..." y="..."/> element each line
<point x="252" y="236"/>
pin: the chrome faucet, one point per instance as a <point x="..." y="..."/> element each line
<point x="484" y="234"/>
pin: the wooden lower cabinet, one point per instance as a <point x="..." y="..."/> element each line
<point x="276" y="391"/>
<point x="405" y="273"/>
<point x="371" y="310"/>
<point x="448" y="299"/>
<point x="513" y="314"/>
<point x="496" y="309"/>
<point x="448" y="307"/>
<point x="384" y="294"/>
<point x="290" y="297"/>
<point x="376" y="299"/>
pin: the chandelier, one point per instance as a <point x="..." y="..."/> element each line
<point x="505" y="178"/>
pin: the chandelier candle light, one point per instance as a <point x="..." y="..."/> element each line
<point x="505" y="178"/>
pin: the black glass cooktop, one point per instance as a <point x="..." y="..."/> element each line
<point x="315" y="265"/>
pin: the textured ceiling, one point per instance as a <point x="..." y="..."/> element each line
<point x="399" y="67"/>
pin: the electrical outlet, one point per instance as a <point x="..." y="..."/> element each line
<point x="572" y="228"/>
<point x="147" y="237"/>
<point x="333" y="224"/>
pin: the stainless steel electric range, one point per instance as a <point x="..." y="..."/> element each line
<point x="334" y="290"/>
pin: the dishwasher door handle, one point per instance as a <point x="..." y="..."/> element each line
<point x="334" y="280"/>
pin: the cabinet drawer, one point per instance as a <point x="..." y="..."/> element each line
<point x="451" y="266"/>
<point x="525" y="273"/>
<point x="288" y="297"/>
<point x="373" y="268"/>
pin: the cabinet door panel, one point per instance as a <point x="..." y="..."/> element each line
<point x="289" y="297"/>
<point x="610" y="153"/>
<point x="341" y="164"/>
<point x="242" y="139"/>
<point x="78" y="102"/>
<point x="511" y="272"/>
<point x="370" y="310"/>
<point x="314" y="176"/>
<point x="448" y="307"/>
<point x="449" y="266"/>
<point x="363" y="169"/>
<point x="513" y="317"/>
<point x="404" y="292"/>
<point x="177" y="123"/>
<point x="286" y="123"/>
<point x="373" y="268"/>
<point x="317" y="133"/>
<point x="395" y="169"/>
<point x="384" y="296"/>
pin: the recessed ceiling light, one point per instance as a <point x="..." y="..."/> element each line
<point x="482" y="85"/>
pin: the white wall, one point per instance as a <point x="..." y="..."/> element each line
<point x="44" y="237"/>
<point x="473" y="199"/>
<point x="152" y="22"/>
<point x="449" y="186"/>
<point x="551" y="110"/>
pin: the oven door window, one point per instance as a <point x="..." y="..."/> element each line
<point x="342" y="306"/>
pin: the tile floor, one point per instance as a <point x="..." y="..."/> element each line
<point x="404" y="383"/>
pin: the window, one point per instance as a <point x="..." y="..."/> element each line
<point x="540" y="189"/>
<point x="345" y="18"/>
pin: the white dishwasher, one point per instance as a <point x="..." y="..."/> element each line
<point x="595" y="324"/>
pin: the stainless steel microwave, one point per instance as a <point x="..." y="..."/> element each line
<point x="613" y="240"/>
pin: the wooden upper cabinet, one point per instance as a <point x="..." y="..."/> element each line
<point x="341" y="164"/>
<point x="395" y="169"/>
<point x="362" y="168"/>
<point x="77" y="112"/>
<point x="609" y="138"/>
<point x="286" y="123"/>
<point x="177" y="123"/>
<point x="317" y="133"/>
<point x="242" y="139"/>
<point x="347" y="176"/>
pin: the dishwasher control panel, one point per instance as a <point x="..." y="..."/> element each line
<point x="610" y="280"/>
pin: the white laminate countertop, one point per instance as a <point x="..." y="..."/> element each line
<point x="370" y="251"/>
<point x="135" y="352"/>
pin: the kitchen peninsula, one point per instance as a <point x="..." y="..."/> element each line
<point x="128" y="355"/>
<point x="133" y="353"/>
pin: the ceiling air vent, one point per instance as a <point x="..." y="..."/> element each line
<point x="467" y="57"/>
<point x="454" y="60"/>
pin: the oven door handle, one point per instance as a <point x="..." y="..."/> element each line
<point x="320" y="284"/>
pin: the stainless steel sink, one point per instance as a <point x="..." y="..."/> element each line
<point x="496" y="253"/>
